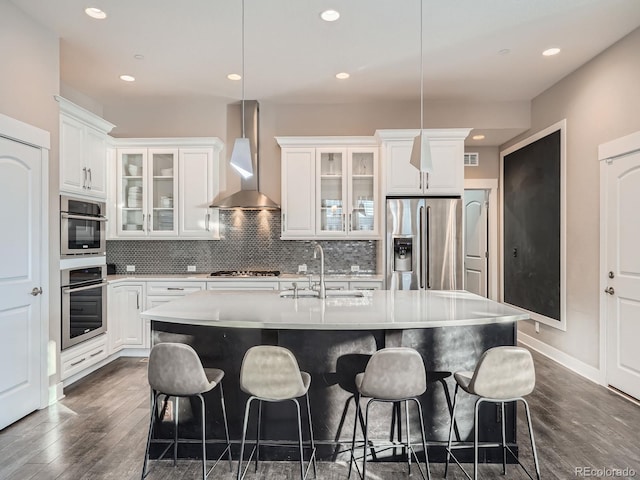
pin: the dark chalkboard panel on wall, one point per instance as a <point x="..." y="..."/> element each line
<point x="532" y="226"/>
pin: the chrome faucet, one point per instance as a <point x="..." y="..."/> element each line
<point x="316" y="249"/>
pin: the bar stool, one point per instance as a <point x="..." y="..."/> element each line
<point x="392" y="375"/>
<point x="271" y="374"/>
<point x="503" y="374"/>
<point x="175" y="370"/>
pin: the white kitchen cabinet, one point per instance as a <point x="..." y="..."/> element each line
<point x="80" y="358"/>
<point x="196" y="190"/>
<point x="298" y="192"/>
<point x="164" y="188"/>
<point x="447" y="155"/>
<point x="125" y="328"/>
<point x="330" y="188"/>
<point x="83" y="151"/>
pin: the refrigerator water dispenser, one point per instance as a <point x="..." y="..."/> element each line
<point x="402" y="253"/>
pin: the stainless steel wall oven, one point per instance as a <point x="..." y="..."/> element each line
<point x="84" y="303"/>
<point x="82" y="227"/>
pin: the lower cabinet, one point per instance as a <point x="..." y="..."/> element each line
<point x="124" y="326"/>
<point x="83" y="356"/>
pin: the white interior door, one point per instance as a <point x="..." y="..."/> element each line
<point x="475" y="241"/>
<point x="622" y="301"/>
<point x="20" y="276"/>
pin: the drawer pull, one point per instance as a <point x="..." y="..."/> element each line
<point x="175" y="288"/>
<point x="96" y="353"/>
<point x="78" y="362"/>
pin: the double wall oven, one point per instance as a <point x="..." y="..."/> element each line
<point x="83" y="271"/>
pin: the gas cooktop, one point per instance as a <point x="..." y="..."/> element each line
<point x="246" y="273"/>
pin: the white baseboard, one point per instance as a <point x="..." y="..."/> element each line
<point x="55" y="393"/>
<point x="572" y="363"/>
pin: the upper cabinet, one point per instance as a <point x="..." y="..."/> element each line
<point x="330" y="188"/>
<point x="83" y="151"/>
<point x="163" y="188"/>
<point x="447" y="154"/>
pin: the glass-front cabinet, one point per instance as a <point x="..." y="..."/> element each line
<point x="346" y="201"/>
<point x="146" y="192"/>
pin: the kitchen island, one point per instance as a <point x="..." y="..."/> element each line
<point x="332" y="339"/>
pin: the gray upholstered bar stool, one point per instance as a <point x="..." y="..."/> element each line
<point x="392" y="375"/>
<point x="503" y="374"/>
<point x="271" y="374"/>
<point x="175" y="371"/>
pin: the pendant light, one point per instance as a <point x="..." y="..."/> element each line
<point x="421" y="152"/>
<point x="241" y="154"/>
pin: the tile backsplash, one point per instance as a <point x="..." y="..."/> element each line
<point x="249" y="240"/>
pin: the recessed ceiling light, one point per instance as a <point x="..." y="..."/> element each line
<point x="137" y="56"/>
<point x="504" y="51"/>
<point x="330" y="15"/>
<point x="95" y="13"/>
<point x="549" y="52"/>
<point x="127" y="78"/>
<point x="342" y="75"/>
<point x="478" y="137"/>
<point x="234" y="76"/>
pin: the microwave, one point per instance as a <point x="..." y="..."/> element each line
<point x="82" y="227"/>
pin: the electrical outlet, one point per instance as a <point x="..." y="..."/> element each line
<point x="302" y="268"/>
<point x="131" y="268"/>
<point x="355" y="268"/>
<point x="191" y="268"/>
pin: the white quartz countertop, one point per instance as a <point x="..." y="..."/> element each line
<point x="380" y="309"/>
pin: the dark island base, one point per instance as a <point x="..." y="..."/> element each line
<point x="333" y="358"/>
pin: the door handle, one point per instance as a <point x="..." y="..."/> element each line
<point x="90" y="179"/>
<point x="610" y="291"/>
<point x="84" y="177"/>
<point x="36" y="291"/>
<point x="207" y="222"/>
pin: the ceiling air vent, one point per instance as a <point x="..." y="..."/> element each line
<point x="471" y="159"/>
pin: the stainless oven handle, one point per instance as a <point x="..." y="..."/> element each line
<point x="79" y="289"/>
<point x="82" y="217"/>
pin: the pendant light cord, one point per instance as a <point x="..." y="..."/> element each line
<point x="242" y="68"/>
<point x="421" y="77"/>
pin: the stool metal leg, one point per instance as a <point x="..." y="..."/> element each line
<point x="409" y="450"/>
<point x="533" y="443"/>
<point x="447" y="397"/>
<point x="366" y="439"/>
<point x="258" y="428"/>
<point x="152" y="418"/>
<point x="453" y="418"/>
<point x="353" y="438"/>
<point x="313" y="445"/>
<point x="504" y="439"/>
<point x="475" y="438"/>
<point x="175" y="431"/>
<point x="244" y="435"/>
<point x="226" y="426"/>
<point x="300" y="438"/>
<point x="204" y="444"/>
<point x="424" y="441"/>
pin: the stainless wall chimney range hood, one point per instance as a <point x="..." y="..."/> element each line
<point x="249" y="197"/>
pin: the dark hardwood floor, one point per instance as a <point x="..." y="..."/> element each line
<point x="98" y="431"/>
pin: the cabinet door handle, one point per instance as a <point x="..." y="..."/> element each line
<point x="207" y="219"/>
<point x="421" y="177"/>
<point x="284" y="228"/>
<point x="137" y="300"/>
<point x="144" y="223"/>
<point x="78" y="362"/>
<point x="84" y="177"/>
<point x="350" y="224"/>
<point x="90" y="184"/>
<point x="175" y="288"/>
<point x="426" y="175"/>
<point x="96" y="353"/>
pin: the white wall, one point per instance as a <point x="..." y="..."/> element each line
<point x="601" y="102"/>
<point x="30" y="78"/>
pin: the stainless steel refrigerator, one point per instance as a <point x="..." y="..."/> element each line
<point x="424" y="244"/>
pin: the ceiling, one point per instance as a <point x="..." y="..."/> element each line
<point x="487" y="50"/>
